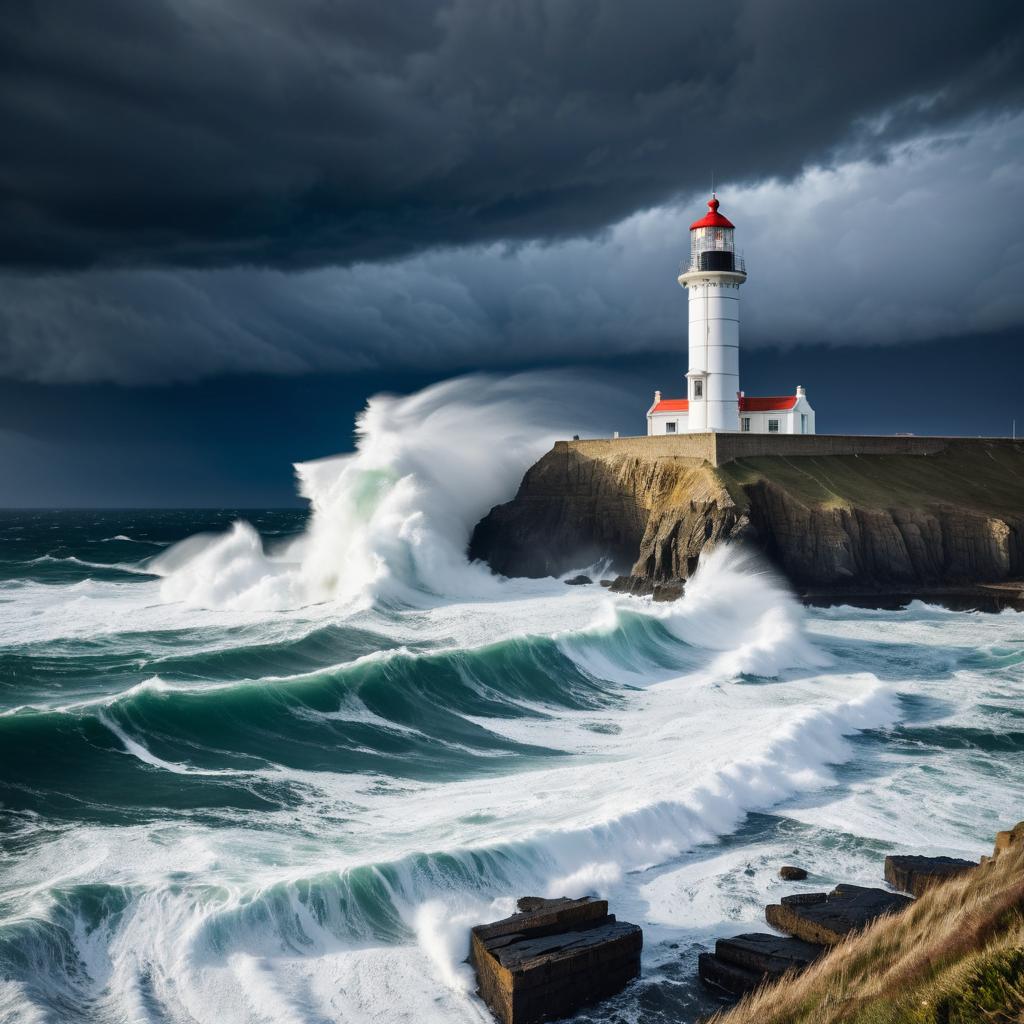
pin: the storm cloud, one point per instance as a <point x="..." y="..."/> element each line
<point x="927" y="243"/>
<point x="221" y="133"/>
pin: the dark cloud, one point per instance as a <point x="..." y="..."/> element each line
<point x="922" y="245"/>
<point x="213" y="133"/>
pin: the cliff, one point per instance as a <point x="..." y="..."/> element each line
<point x="836" y="515"/>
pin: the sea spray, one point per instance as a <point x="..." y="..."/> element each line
<point x="739" y="605"/>
<point x="392" y="521"/>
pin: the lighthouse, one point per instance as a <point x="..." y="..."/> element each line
<point x="714" y="402"/>
<point x="713" y="278"/>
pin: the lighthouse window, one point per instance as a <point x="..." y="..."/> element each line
<point x="698" y="389"/>
<point x="773" y="426"/>
<point x="745" y="424"/>
<point x="670" y="428"/>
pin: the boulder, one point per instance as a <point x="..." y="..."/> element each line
<point x="915" y="874"/>
<point x="579" y="581"/>
<point x="743" y="962"/>
<point x="1011" y="837"/>
<point x="553" y="958"/>
<point x="827" y="918"/>
<point x="790" y="873"/>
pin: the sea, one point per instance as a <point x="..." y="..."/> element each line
<point x="272" y="765"/>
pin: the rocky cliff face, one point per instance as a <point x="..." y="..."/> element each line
<point x="833" y="522"/>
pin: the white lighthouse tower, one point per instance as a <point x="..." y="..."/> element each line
<point x="713" y="278"/>
<point x="714" y="401"/>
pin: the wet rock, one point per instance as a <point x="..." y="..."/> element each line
<point x="638" y="586"/>
<point x="827" y="918"/>
<point x="579" y="581"/>
<point x="915" y="874"/>
<point x="606" y="583"/>
<point x="553" y="958"/>
<point x="730" y="978"/>
<point x="743" y="962"/>
<point x="789" y="873"/>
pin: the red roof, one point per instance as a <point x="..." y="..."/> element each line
<point x="712" y="219"/>
<point x="774" y="404"/>
<point x="672" y="405"/>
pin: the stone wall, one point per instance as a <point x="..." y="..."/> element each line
<point x="720" y="448"/>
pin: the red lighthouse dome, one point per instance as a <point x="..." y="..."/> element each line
<point x="712" y="219"/>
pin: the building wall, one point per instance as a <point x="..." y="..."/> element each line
<point x="789" y="419"/>
<point x="657" y="423"/>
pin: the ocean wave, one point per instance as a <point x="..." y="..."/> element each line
<point x="126" y="567"/>
<point x="420" y="904"/>
<point x="448" y="694"/>
<point x="133" y="540"/>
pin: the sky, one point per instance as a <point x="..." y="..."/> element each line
<point x="226" y="223"/>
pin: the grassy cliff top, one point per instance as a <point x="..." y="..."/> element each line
<point x="987" y="479"/>
<point x="955" y="957"/>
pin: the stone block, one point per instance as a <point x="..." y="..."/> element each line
<point x="829" y="918"/>
<point x="553" y="958"/>
<point x="915" y="874"/>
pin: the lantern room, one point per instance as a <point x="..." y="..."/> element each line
<point x="711" y="242"/>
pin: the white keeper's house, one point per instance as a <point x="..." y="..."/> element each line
<point x="713" y="399"/>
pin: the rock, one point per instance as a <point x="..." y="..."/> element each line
<point x="553" y="958"/>
<point x="915" y="874"/>
<point x="945" y="522"/>
<point x="668" y="591"/>
<point x="606" y="583"/>
<point x="827" y="918"/>
<point x="790" y="873"/>
<point x="1011" y="837"/>
<point x="725" y="976"/>
<point x="743" y="962"/>
<point x="579" y="581"/>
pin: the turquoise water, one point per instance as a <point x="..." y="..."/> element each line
<point x="255" y="806"/>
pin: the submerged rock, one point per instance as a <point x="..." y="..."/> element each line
<point x="579" y="581"/>
<point x="790" y="873"/>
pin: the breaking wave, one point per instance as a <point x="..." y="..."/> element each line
<point x="392" y="521"/>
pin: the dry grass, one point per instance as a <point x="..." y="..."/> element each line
<point x="955" y="957"/>
<point x="989" y="480"/>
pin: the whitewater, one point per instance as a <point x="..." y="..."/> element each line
<point x="271" y="765"/>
